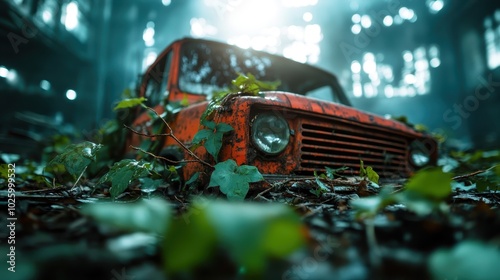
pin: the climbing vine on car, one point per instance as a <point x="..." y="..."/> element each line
<point x="212" y="136"/>
<point x="232" y="179"/>
<point x="246" y="85"/>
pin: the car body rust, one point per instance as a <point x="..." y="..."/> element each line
<point x="320" y="133"/>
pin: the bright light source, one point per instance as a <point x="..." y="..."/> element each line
<point x="71" y="17"/>
<point x="412" y="92"/>
<point x="313" y="34"/>
<point x="369" y="56"/>
<point x="366" y="22"/>
<point x="421" y="65"/>
<point x="436" y="6"/>
<point x="410" y="79"/>
<point x="375" y="78"/>
<point x="389" y="91"/>
<point x="370" y="90"/>
<point x="307" y="17"/>
<point x="357" y="90"/>
<point x="369" y="66"/>
<point x="45" y="85"/>
<point x="387" y="73"/>
<point x="71" y="94"/>
<point x="12" y="75"/>
<point x="297" y="51"/>
<point x="47" y="16"/>
<point x="388" y="21"/>
<point x="148" y="34"/>
<point x="4" y="72"/>
<point x="356" y="18"/>
<point x="243" y="42"/>
<point x="406" y="13"/>
<point x="297" y="3"/>
<point x="355" y="67"/>
<point x="356" y="29"/>
<point x="407" y="56"/>
<point x="435" y="62"/>
<point x="166" y="2"/>
<point x="243" y="18"/>
<point x="149" y="58"/>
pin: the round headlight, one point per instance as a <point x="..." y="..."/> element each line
<point x="270" y="133"/>
<point x="419" y="154"/>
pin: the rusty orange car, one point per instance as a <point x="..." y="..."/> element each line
<point x="304" y="126"/>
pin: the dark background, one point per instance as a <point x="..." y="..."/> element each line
<point x="434" y="61"/>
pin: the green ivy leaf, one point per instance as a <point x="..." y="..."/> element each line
<point x="189" y="241"/>
<point x="147" y="215"/>
<point x="369" y="206"/>
<point x="10" y="158"/>
<point x="149" y="185"/>
<point x="244" y="85"/>
<point x="75" y="158"/>
<point x="122" y="173"/>
<point x="129" y="103"/>
<point x="4" y="172"/>
<point x="212" y="137"/>
<point x="431" y="183"/>
<point x="368" y="172"/>
<point x="253" y="232"/>
<point x="234" y="180"/>
<point x="250" y="233"/>
<point x="332" y="172"/>
<point x="421" y="127"/>
<point x="192" y="180"/>
<point x="467" y="258"/>
<point x="248" y="84"/>
<point x="322" y="186"/>
<point x="497" y="170"/>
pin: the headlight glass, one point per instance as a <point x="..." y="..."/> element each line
<point x="419" y="154"/>
<point x="270" y="133"/>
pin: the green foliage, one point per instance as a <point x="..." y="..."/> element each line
<point x="54" y="146"/>
<point x="424" y="192"/>
<point x="149" y="185"/>
<point x="129" y="103"/>
<point x="370" y="206"/>
<point x="322" y="187"/>
<point x="420" y="127"/>
<point x="478" y="156"/>
<point x="234" y="180"/>
<point x="123" y="173"/>
<point x="478" y="160"/>
<point x="368" y="172"/>
<point x="76" y="157"/>
<point x="332" y="172"/>
<point x="189" y="241"/>
<point x="248" y="84"/>
<point x="9" y="158"/>
<point x="147" y="215"/>
<point x="212" y="137"/>
<point x="191" y="182"/>
<point x="431" y="183"/>
<point x="250" y="233"/>
<point x="242" y="85"/>
<point x="467" y="260"/>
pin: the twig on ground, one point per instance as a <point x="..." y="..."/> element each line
<point x="77" y="180"/>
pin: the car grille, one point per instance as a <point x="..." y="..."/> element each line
<point x="340" y="143"/>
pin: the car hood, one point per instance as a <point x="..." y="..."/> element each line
<point x="325" y="108"/>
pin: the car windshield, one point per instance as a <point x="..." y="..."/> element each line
<point x="207" y="67"/>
